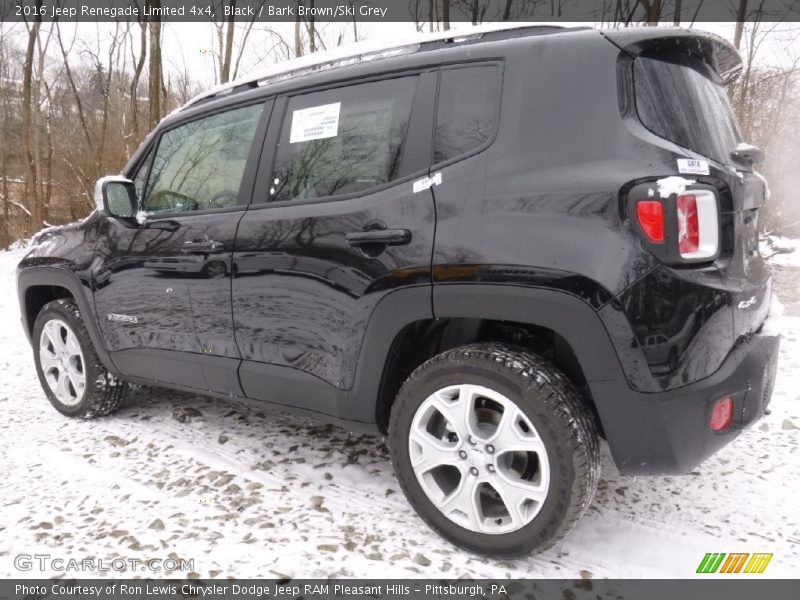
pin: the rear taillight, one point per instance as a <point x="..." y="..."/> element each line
<point x="688" y="225"/>
<point x="698" y="225"/>
<point x="721" y="414"/>
<point x="687" y="230"/>
<point x="651" y="218"/>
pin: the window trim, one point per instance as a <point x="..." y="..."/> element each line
<point x="498" y="64"/>
<point x="250" y="168"/>
<point x="273" y="136"/>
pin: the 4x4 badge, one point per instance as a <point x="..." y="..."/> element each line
<point x="426" y="182"/>
<point x="122" y="318"/>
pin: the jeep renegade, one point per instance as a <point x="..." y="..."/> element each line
<point x="493" y="249"/>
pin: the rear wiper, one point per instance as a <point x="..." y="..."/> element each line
<point x="747" y="155"/>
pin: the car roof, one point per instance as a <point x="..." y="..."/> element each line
<point x="347" y="55"/>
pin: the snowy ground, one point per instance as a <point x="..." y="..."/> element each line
<point x="248" y="493"/>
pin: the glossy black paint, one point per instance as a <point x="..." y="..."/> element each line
<point x="288" y="303"/>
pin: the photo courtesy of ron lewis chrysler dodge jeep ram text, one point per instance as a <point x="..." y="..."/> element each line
<point x="493" y="249"/>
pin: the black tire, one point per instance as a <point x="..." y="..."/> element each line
<point x="103" y="393"/>
<point x="554" y="408"/>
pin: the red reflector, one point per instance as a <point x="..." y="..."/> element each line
<point x="651" y="218"/>
<point x="721" y="414"/>
<point x="688" y="224"/>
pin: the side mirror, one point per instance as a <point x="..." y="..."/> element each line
<point x="115" y="196"/>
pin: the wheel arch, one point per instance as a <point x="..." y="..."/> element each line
<point x="395" y="344"/>
<point x="40" y="285"/>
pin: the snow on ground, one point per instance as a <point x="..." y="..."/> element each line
<point x="782" y="250"/>
<point x="247" y="492"/>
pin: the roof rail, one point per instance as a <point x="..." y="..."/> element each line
<point x="353" y="53"/>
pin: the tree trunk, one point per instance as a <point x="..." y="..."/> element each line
<point x="225" y="71"/>
<point x="154" y="83"/>
<point x="507" y="10"/>
<point x="652" y="12"/>
<point x="5" y="234"/>
<point x="133" y="132"/>
<point x="676" y="20"/>
<point x="741" y="15"/>
<point x="312" y="30"/>
<point x="31" y="183"/>
<point x="298" y="38"/>
<point x="446" y="14"/>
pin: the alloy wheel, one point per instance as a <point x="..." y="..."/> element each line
<point x="62" y="362"/>
<point x="479" y="459"/>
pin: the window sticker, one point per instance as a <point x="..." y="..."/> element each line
<point x="693" y="167"/>
<point x="315" y="123"/>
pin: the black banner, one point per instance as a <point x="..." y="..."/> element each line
<point x="397" y="589"/>
<point x="420" y="11"/>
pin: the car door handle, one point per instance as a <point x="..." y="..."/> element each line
<point x="203" y="247"/>
<point x="387" y="237"/>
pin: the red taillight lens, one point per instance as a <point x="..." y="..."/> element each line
<point x="721" y="414"/>
<point x="651" y="218"/>
<point x="688" y="224"/>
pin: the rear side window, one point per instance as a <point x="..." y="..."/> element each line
<point x="467" y="110"/>
<point x="199" y="165"/>
<point x="344" y="140"/>
<point x="684" y="104"/>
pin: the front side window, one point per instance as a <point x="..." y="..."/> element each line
<point x="466" y="113"/>
<point x="343" y="141"/>
<point x="199" y="165"/>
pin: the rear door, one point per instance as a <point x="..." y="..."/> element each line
<point x="337" y="224"/>
<point x="162" y="289"/>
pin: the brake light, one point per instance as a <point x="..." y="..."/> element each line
<point x="698" y="225"/>
<point x="721" y="414"/>
<point x="651" y="218"/>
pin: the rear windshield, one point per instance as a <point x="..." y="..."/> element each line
<point x="685" y="105"/>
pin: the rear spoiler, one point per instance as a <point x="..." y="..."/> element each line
<point x="712" y="49"/>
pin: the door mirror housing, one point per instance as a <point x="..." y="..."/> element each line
<point x="115" y="196"/>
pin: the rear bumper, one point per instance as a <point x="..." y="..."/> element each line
<point x="668" y="432"/>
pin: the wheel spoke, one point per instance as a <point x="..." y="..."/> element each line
<point x="51" y="331"/>
<point x="62" y="387"/>
<point x="510" y="437"/>
<point x="514" y="494"/>
<point x="431" y="453"/>
<point x="47" y="359"/>
<point x="72" y="347"/>
<point x="459" y="412"/>
<point x="78" y="380"/>
<point x="464" y="500"/>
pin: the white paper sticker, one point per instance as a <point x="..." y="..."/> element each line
<point x="692" y="166"/>
<point x="315" y="123"/>
<point x="426" y="182"/>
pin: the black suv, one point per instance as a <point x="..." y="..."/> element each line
<point x="493" y="249"/>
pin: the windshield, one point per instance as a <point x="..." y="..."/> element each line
<point x="685" y="105"/>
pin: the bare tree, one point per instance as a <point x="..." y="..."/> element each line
<point x="155" y="77"/>
<point x="31" y="178"/>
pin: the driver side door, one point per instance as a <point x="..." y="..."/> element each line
<point x="163" y="289"/>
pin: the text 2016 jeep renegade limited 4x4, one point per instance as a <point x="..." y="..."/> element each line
<point x="493" y="249"/>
